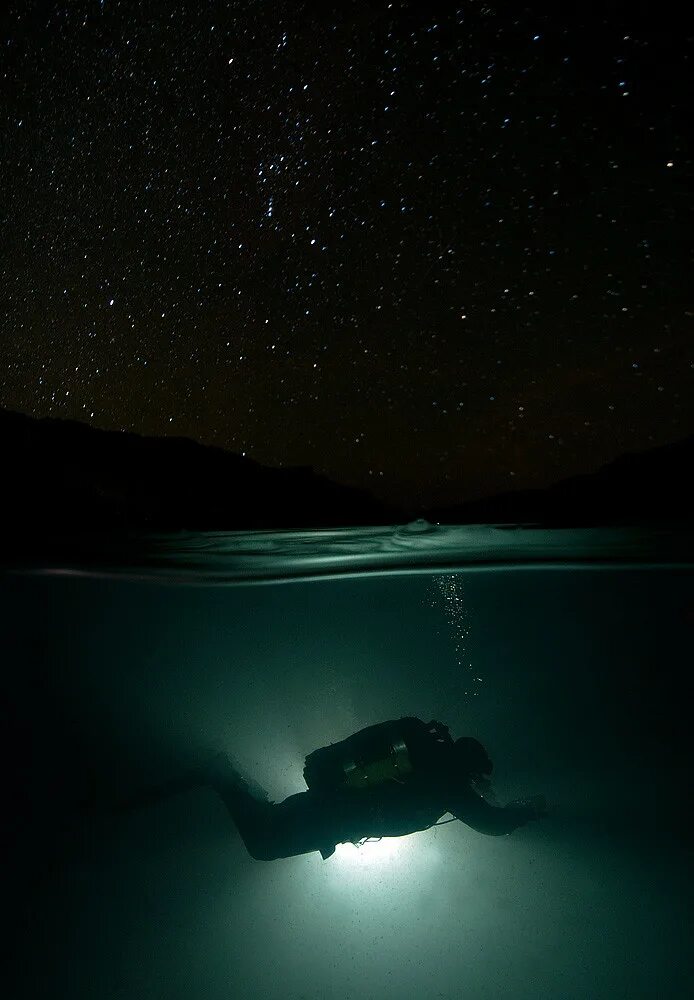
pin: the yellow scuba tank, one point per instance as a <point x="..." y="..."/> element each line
<point x="393" y="767"/>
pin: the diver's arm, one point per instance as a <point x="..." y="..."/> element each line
<point x="495" y="821"/>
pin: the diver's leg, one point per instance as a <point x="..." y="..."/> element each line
<point x="300" y="824"/>
<point x="251" y="816"/>
<point x="304" y="823"/>
<point x="200" y="777"/>
<point x="270" y="830"/>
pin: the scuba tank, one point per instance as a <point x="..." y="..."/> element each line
<point x="388" y="751"/>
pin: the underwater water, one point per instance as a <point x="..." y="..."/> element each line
<point x="575" y="679"/>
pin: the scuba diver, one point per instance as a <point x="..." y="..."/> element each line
<point x="387" y="780"/>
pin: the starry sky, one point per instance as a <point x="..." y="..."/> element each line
<point x="435" y="250"/>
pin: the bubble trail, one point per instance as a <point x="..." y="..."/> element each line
<point x="448" y="590"/>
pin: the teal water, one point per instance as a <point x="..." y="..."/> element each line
<point x="574" y="674"/>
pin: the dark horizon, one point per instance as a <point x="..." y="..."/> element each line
<point x="410" y="504"/>
<point x="83" y="424"/>
<point x="67" y="476"/>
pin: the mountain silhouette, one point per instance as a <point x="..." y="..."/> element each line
<point x="656" y="485"/>
<point x="65" y="477"/>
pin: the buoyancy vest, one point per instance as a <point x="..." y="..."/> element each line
<point x="388" y="751"/>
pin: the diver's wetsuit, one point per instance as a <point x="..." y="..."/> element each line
<point x="317" y="821"/>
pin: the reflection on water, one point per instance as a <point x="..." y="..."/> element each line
<point x="248" y="557"/>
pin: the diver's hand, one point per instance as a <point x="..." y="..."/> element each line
<point x="531" y="807"/>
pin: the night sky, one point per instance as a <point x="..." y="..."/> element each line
<point x="437" y="250"/>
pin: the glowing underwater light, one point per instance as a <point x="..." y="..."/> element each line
<point x="388" y="857"/>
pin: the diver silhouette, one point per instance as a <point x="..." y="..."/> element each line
<point x="387" y="780"/>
